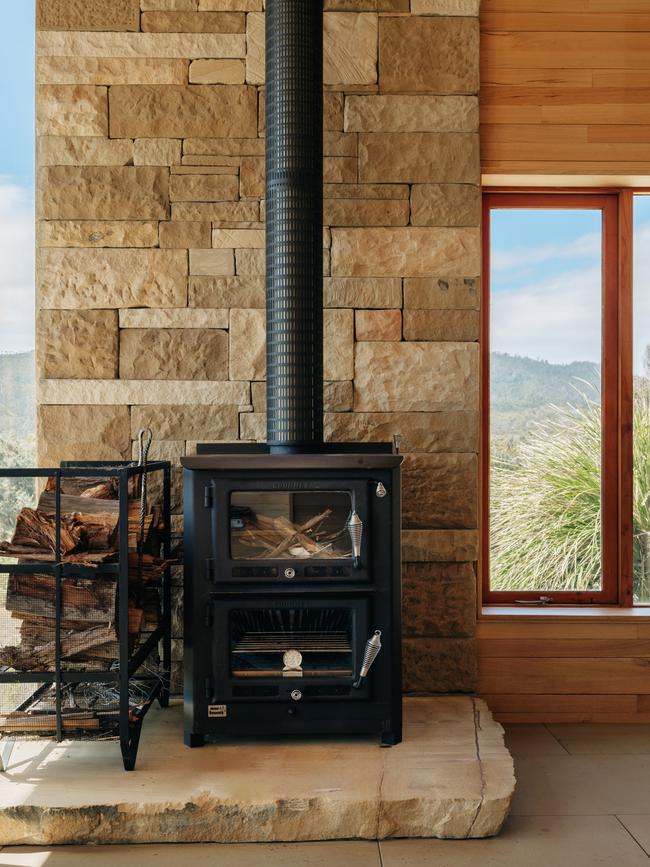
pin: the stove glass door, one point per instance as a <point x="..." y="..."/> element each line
<point x="290" y="525"/>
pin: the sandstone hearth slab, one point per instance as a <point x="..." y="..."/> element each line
<point x="452" y="777"/>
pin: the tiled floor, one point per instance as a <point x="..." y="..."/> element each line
<point x="583" y="800"/>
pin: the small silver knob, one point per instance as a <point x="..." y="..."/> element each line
<point x="296" y="695"/>
<point x="290" y="572"/>
<point x="380" y="490"/>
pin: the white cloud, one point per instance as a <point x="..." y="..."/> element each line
<point x="16" y="267"/>
<point x="522" y="257"/>
<point x="557" y="318"/>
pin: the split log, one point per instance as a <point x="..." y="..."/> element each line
<point x="77" y="503"/>
<point x="35" y="529"/>
<point x="42" y="657"/>
<point x="87" y="525"/>
<point x="78" y="485"/>
<point x="99" y="531"/>
<point x="36" y="533"/>
<point x="83" y="600"/>
<point x="109" y="651"/>
<point x="35" y="556"/>
<point x="34" y="634"/>
<point x="107" y="490"/>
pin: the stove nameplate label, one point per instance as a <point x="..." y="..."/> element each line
<point x="217" y="710"/>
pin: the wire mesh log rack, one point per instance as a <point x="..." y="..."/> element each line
<point x="85" y="604"/>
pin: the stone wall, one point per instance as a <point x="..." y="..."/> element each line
<point x="150" y="129"/>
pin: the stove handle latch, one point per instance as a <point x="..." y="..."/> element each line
<point x="355" y="529"/>
<point x="373" y="646"/>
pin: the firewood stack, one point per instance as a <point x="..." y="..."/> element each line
<point x="89" y="615"/>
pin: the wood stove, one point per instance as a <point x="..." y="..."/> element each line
<point x="292" y="582"/>
<point x="292" y="549"/>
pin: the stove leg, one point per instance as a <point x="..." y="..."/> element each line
<point x="194" y="740"/>
<point x="388" y="739"/>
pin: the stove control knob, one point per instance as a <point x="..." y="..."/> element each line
<point x="290" y="572"/>
<point x="296" y="695"/>
<point x="380" y="490"/>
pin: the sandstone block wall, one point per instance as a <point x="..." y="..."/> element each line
<point x="150" y="118"/>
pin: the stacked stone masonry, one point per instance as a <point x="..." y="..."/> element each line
<point x="150" y="117"/>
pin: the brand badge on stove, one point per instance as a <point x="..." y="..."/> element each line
<point x="217" y="710"/>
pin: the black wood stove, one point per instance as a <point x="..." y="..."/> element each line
<point x="292" y="549"/>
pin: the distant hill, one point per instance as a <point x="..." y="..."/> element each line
<point x="523" y="389"/>
<point x="17" y="395"/>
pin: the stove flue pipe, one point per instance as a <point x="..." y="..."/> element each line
<point x="294" y="224"/>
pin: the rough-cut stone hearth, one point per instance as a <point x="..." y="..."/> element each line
<point x="451" y="777"/>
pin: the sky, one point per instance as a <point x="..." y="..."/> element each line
<point x="17" y="177"/>
<point x="546" y="284"/>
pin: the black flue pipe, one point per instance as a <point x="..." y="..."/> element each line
<point x="294" y="224"/>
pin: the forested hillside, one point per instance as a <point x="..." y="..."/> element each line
<point x="522" y="390"/>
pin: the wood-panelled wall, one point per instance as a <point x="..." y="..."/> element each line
<point x="565" y="90"/>
<point x="565" y="670"/>
<point x="565" y="87"/>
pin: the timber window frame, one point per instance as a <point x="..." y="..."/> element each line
<point x="616" y="207"/>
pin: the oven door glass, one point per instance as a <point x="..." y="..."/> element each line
<point x="316" y="642"/>
<point x="281" y="525"/>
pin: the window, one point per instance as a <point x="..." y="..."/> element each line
<point x="558" y="391"/>
<point x="641" y="401"/>
<point x="17" y="379"/>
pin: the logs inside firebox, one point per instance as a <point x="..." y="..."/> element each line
<point x="88" y="538"/>
<point x="267" y="537"/>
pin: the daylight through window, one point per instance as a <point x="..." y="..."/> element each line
<point x="550" y="382"/>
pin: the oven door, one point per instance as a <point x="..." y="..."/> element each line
<point x="314" y="530"/>
<point x="267" y="648"/>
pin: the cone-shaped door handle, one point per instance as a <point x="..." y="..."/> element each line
<point x="373" y="646"/>
<point x="355" y="529"/>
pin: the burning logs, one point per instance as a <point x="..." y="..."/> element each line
<point x="88" y="537"/>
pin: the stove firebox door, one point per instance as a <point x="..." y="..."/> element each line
<point x="314" y="530"/>
<point x="267" y="648"/>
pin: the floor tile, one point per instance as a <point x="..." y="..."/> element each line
<point x="532" y="841"/>
<point x="532" y="740"/>
<point x="581" y="785"/>
<point x="639" y="828"/>
<point x="632" y="739"/>
<point x="346" y="854"/>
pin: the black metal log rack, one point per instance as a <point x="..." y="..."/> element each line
<point x="143" y="670"/>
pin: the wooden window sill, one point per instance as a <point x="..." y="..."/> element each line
<point x="564" y="612"/>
